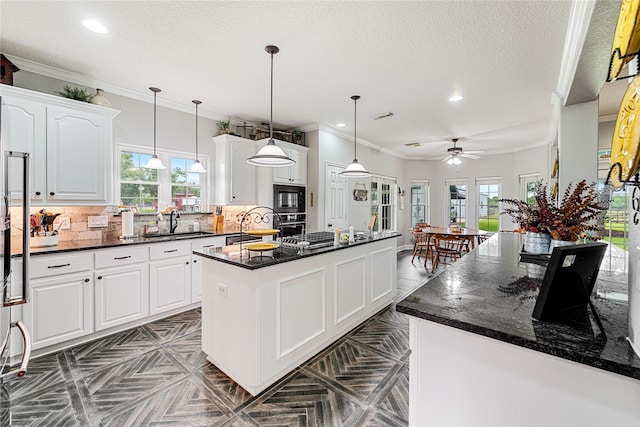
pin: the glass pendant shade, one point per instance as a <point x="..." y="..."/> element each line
<point x="197" y="167"/>
<point x="454" y="161"/>
<point x="355" y="169"/>
<point x="154" y="162"/>
<point x="270" y="155"/>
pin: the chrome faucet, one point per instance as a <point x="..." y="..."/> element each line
<point x="173" y="221"/>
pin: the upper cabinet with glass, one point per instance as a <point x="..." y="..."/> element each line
<point x="70" y="143"/>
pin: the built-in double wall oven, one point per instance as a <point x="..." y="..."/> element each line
<point x="289" y="201"/>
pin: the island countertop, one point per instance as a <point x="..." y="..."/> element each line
<point x="489" y="292"/>
<point x="241" y="257"/>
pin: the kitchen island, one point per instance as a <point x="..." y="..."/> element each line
<point x="478" y="357"/>
<point x="265" y="314"/>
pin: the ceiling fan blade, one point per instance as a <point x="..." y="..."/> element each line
<point x="469" y="156"/>
<point x="475" y="152"/>
<point x="446" y="158"/>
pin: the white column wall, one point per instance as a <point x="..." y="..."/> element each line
<point x="578" y="144"/>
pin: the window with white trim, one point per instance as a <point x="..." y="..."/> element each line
<point x="150" y="190"/>
<point x="383" y="203"/>
<point x="419" y="198"/>
<point x="487" y="198"/>
<point x="528" y="184"/>
<point x="456" y="194"/>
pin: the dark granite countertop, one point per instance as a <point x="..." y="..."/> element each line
<point x="490" y="292"/>
<point x="254" y="260"/>
<point x="82" y="245"/>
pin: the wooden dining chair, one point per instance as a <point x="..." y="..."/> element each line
<point x="482" y="238"/>
<point x="421" y="245"/>
<point x="446" y="246"/>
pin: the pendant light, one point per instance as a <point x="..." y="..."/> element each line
<point x="355" y="169"/>
<point x="197" y="167"/>
<point x="154" y="162"/>
<point x="270" y="155"/>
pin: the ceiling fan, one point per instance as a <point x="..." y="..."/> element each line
<point x="454" y="153"/>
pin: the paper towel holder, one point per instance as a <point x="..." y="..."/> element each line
<point x="129" y="236"/>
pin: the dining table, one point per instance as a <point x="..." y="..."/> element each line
<point x="469" y="233"/>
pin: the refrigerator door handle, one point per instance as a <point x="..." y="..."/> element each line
<point x="26" y="225"/>
<point x="21" y="371"/>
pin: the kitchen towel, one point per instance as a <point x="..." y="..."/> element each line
<point x="127" y="224"/>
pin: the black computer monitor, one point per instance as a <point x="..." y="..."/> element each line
<point x="565" y="292"/>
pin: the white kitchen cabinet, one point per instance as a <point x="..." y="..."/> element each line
<point x="61" y="306"/>
<point x="196" y="264"/>
<point x="121" y="279"/>
<point x="296" y="174"/>
<point x="235" y="178"/>
<point x="169" y="276"/>
<point x="66" y="139"/>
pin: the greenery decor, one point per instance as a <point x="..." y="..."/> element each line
<point x="569" y="221"/>
<point x="577" y="212"/>
<point x="537" y="217"/>
<point x="223" y="126"/>
<point x="75" y="93"/>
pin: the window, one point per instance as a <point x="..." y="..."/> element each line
<point x="420" y="211"/>
<point x="488" y="211"/>
<point x="457" y="203"/>
<point x="528" y="185"/>
<point x="138" y="185"/>
<point x="185" y="186"/>
<point x="383" y="203"/>
<point x="150" y="190"/>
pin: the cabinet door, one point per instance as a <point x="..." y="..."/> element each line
<point x="24" y="130"/>
<point x="196" y="278"/>
<point x="283" y="175"/>
<point x="121" y="295"/>
<point x="77" y="146"/>
<point x="243" y="175"/>
<point x="60" y="309"/>
<point x="298" y="172"/>
<point x="169" y="284"/>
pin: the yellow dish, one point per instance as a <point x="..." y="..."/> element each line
<point x="266" y="232"/>
<point x="625" y="147"/>
<point x="626" y="40"/>
<point x="262" y="246"/>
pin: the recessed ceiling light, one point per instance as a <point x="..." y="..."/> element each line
<point x="340" y="125"/>
<point x="94" y="26"/>
<point x="455" y="98"/>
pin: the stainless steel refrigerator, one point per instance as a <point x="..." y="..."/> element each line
<point x="14" y="166"/>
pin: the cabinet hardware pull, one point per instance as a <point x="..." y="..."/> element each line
<point x="172" y="250"/>
<point x="52" y="193"/>
<point x="122" y="257"/>
<point x="38" y="193"/>
<point x="86" y="280"/>
<point x="99" y="277"/>
<point x="58" y="266"/>
<point x="187" y="262"/>
<point x="194" y="261"/>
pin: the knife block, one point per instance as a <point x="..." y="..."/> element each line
<point x="218" y="223"/>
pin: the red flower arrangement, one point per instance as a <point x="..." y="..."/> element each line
<point x="576" y="214"/>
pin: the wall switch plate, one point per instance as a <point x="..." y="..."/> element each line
<point x="98" y="221"/>
<point x="64" y="223"/>
<point x="222" y="289"/>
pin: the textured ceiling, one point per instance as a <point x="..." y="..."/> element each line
<point x="403" y="57"/>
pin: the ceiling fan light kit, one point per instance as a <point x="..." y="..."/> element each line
<point x="270" y="155"/>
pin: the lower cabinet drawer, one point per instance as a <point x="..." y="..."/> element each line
<point x="50" y="265"/>
<point x="169" y="250"/>
<point x="116" y="257"/>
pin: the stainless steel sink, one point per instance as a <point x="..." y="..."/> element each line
<point x="176" y="236"/>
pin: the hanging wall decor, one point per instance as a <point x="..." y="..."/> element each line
<point x="360" y="193"/>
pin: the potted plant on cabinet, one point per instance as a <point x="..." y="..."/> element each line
<point x="533" y="219"/>
<point x="223" y="126"/>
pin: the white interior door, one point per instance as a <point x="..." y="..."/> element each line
<point x="336" y="188"/>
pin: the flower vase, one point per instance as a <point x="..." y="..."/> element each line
<point x="100" y="99"/>
<point x="555" y="243"/>
<point x="537" y="243"/>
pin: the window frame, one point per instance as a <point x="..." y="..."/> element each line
<point x="488" y="181"/>
<point x="447" y="190"/>
<point x="426" y="205"/>
<point x="376" y="198"/>
<point x="164" y="175"/>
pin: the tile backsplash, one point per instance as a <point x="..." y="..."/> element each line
<point x="80" y="229"/>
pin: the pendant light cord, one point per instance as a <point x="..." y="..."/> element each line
<point x="271" y="116"/>
<point x="154" y="122"/>
<point x="196" y="127"/>
<point x="355" y="121"/>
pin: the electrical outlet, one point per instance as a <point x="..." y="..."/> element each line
<point x="98" y="221"/>
<point x="222" y="289"/>
<point x="64" y="223"/>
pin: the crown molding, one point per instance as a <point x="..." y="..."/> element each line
<point x="330" y="129"/>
